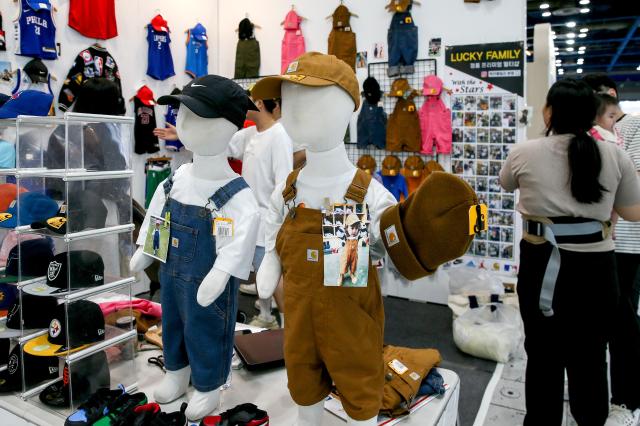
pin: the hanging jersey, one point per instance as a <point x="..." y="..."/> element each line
<point x="160" y="65"/>
<point x="197" y="56"/>
<point x="170" y="117"/>
<point x="23" y="82"/>
<point x="92" y="62"/>
<point x="35" y="31"/>
<point x="94" y="18"/>
<point x="145" y="122"/>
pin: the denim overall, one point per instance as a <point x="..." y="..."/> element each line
<point x="402" y="39"/>
<point x="372" y="126"/>
<point x="201" y="337"/>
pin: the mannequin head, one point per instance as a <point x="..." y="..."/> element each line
<point x="316" y="118"/>
<point x="204" y="136"/>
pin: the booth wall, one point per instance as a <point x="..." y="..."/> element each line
<point x="129" y="49"/>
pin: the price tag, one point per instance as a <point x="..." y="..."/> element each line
<point x="398" y="367"/>
<point x="222" y="227"/>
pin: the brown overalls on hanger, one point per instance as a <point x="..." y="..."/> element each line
<point x="342" y="41"/>
<point x="403" y="129"/>
<point x="333" y="334"/>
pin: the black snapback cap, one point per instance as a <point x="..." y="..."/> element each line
<point x="37" y="369"/>
<point x="213" y="96"/>
<point x="87" y="270"/>
<point x="37" y="71"/>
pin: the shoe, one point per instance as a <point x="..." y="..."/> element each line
<point x="249" y="289"/>
<point x="620" y="415"/>
<point x="241" y="415"/>
<point x="176" y="418"/>
<point x="139" y="416"/>
<point x="118" y="412"/>
<point x="93" y="409"/>
<point x="256" y="304"/>
<point x="256" y="321"/>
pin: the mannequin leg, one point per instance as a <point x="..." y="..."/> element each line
<point x="310" y="415"/>
<point x="173" y="385"/>
<point x="265" y="309"/>
<point x="370" y="422"/>
<point x="202" y="404"/>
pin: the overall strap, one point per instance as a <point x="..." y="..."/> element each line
<point x="357" y="191"/>
<point x="226" y="193"/>
<point x="289" y="192"/>
<point x="168" y="184"/>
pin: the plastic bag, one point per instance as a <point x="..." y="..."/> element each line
<point x="466" y="280"/>
<point x="492" y="331"/>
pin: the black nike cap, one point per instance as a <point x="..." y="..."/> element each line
<point x="37" y="71"/>
<point x="213" y="96"/>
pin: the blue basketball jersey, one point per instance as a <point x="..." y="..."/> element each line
<point x="197" y="58"/>
<point x="160" y="64"/>
<point x="35" y="31"/>
<point x="170" y="117"/>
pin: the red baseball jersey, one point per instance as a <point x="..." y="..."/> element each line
<point x="94" y="18"/>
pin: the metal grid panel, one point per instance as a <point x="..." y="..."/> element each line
<point x="378" y="70"/>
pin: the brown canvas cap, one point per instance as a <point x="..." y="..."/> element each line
<point x="313" y="69"/>
<point x="398" y="5"/>
<point x="399" y="88"/>
<point x="433" y="166"/>
<point x="414" y="166"/>
<point x="367" y="163"/>
<point x="430" y="227"/>
<point x="391" y="165"/>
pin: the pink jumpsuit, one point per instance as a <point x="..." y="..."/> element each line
<point x="435" y="119"/>
<point x="293" y="41"/>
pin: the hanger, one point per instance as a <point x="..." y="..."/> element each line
<point x="293" y="8"/>
<point x="97" y="44"/>
<point x="350" y="13"/>
<point x="255" y="26"/>
<point x="55" y="9"/>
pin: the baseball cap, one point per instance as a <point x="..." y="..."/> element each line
<point x="36" y="311"/>
<point x="85" y="326"/>
<point x="432" y="85"/>
<point x="7" y="155"/>
<point x="87" y="270"/>
<point x="213" y="96"/>
<point x="28" y="259"/>
<point x="39" y="4"/>
<point x="37" y="71"/>
<point x="8" y="295"/>
<point x="367" y="163"/>
<point x="8" y="193"/>
<point x="400" y="88"/>
<point x="146" y="96"/>
<point x="414" y="166"/>
<point x="391" y="165"/>
<point x="38" y="369"/>
<point x="27" y="102"/>
<point x="84" y="378"/>
<point x="199" y="32"/>
<point x="10" y="241"/>
<point x="34" y="207"/>
<point x="4" y="98"/>
<point x="313" y="69"/>
<point x="87" y="210"/>
<point x="160" y="24"/>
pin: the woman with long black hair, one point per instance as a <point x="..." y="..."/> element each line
<point x="567" y="285"/>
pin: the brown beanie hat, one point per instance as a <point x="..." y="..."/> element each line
<point x="430" y="227"/>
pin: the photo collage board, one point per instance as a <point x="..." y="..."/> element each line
<point x="484" y="131"/>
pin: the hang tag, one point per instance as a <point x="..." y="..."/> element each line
<point x="478" y="219"/>
<point x="398" y="367"/>
<point x="159" y="237"/>
<point x="347" y="28"/>
<point x="298" y="32"/>
<point x="222" y="227"/>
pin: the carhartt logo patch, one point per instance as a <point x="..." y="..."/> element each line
<point x="293" y="67"/>
<point x="175" y="242"/>
<point x="392" y="236"/>
<point x="312" y="255"/>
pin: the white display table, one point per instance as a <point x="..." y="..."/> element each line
<point x="267" y="389"/>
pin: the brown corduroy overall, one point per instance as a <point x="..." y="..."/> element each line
<point x="342" y="41"/>
<point x="333" y="334"/>
<point x="403" y="130"/>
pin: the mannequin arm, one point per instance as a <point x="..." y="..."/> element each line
<point x="268" y="275"/>
<point x="212" y="286"/>
<point x="140" y="261"/>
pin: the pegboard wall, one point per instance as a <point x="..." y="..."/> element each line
<point x="378" y="70"/>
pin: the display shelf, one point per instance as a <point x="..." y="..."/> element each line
<point x="73" y="246"/>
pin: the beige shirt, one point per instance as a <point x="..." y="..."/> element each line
<point x="540" y="170"/>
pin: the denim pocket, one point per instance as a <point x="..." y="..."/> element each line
<point x="183" y="242"/>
